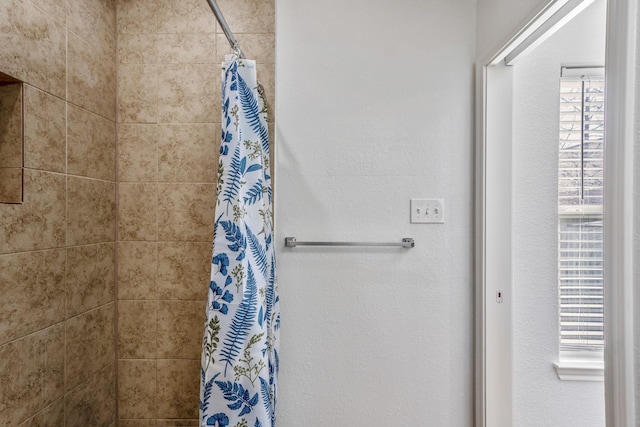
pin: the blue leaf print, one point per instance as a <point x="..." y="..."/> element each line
<point x="222" y="308"/>
<point x="225" y="105"/>
<point x="276" y="324"/>
<point x="254" y="167"/>
<point x="234" y="177"/>
<point x="238" y="396"/>
<point x="218" y="420"/>
<point x="208" y="387"/>
<point x="251" y="110"/>
<point x="258" y="423"/>
<point x="260" y="315"/>
<point x="271" y="290"/>
<point x="223" y="261"/>
<point x="265" y="391"/>
<point x="217" y="295"/>
<point x="241" y="324"/>
<point x="237" y="241"/>
<point x="258" y="252"/>
<point x="254" y="194"/>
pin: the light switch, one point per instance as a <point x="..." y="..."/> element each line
<point x="427" y="211"/>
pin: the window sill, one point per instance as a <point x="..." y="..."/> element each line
<point x="580" y="370"/>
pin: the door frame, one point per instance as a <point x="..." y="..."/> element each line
<point x="493" y="364"/>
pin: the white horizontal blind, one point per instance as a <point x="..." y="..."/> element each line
<point x="580" y="208"/>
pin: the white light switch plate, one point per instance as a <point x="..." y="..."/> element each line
<point x="427" y="211"/>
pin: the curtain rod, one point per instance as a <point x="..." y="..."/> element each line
<point x="225" y="27"/>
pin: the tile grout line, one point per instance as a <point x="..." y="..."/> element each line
<point x="116" y="220"/>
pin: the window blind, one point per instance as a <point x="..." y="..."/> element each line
<point x="580" y="209"/>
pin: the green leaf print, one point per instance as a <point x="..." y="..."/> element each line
<point x="252" y="369"/>
<point x="211" y="339"/>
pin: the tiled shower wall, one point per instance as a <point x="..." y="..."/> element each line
<point x="169" y="55"/>
<point x="57" y="249"/>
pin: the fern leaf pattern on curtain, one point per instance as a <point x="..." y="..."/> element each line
<point x="240" y="342"/>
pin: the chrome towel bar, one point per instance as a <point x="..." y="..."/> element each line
<point x="291" y="242"/>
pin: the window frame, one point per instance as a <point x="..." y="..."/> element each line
<point x="583" y="362"/>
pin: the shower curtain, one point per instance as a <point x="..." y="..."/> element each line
<point x="240" y="342"/>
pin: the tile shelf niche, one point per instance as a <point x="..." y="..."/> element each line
<point x="11" y="140"/>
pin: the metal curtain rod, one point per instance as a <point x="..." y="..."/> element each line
<point x="225" y="27"/>
<point x="407" y="242"/>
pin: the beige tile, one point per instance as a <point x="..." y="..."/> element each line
<point x="138" y="48"/>
<point x="138" y="93"/>
<point x="187" y="16"/>
<point x="177" y="423"/>
<point x="187" y="48"/>
<point x="54" y="338"/>
<point x="91" y="211"/>
<point x="39" y="222"/>
<point x="44" y="131"/>
<point x="187" y="94"/>
<point x="249" y="16"/>
<point x="91" y="80"/>
<point x="94" y="22"/>
<point x="184" y="269"/>
<point x="55" y="9"/>
<point x="32" y="289"/>
<point x="138" y="219"/>
<point x="137" y="388"/>
<point x="137" y="423"/>
<point x="178" y="388"/>
<point x="188" y="152"/>
<point x="137" y="329"/>
<point x="93" y="403"/>
<point x="90" y="344"/>
<point x="90" y="277"/>
<point x="185" y="212"/>
<point x="91" y="144"/>
<point x="33" y="46"/>
<point x="137" y="270"/>
<point x="51" y="416"/>
<point x="138" y="152"/>
<point x="31" y="373"/>
<point x="137" y="16"/>
<point x="11" y="185"/>
<point x="259" y="47"/>
<point x="180" y="326"/>
<point x="11" y="126"/>
<point x="271" y="161"/>
<point x="267" y="78"/>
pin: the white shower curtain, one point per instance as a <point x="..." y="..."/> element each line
<point x="240" y="343"/>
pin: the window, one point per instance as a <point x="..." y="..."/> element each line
<point x="580" y="212"/>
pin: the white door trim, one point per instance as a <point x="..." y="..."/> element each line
<point x="493" y="264"/>
<point x="619" y="210"/>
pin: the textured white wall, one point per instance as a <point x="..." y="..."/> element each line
<point x="375" y="107"/>
<point x="540" y="398"/>
<point x="498" y="21"/>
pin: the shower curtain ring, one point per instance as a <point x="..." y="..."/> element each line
<point x="237" y="51"/>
